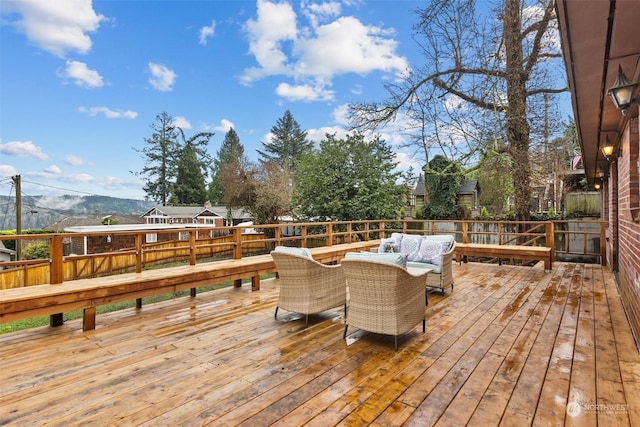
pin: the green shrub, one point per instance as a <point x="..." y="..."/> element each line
<point x="37" y="250"/>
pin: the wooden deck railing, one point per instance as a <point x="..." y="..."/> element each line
<point x="582" y="239"/>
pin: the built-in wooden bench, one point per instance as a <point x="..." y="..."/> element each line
<point x="87" y="294"/>
<point x="527" y="253"/>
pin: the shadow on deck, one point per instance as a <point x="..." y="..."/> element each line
<point x="510" y="345"/>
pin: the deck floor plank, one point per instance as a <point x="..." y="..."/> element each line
<point x="510" y="345"/>
<point x="582" y="388"/>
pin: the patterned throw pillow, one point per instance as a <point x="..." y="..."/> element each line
<point x="410" y="246"/>
<point x="389" y="245"/>
<point x="430" y="251"/>
<point x="445" y="239"/>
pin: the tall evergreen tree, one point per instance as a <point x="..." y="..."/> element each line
<point x="189" y="188"/>
<point x="288" y="143"/>
<point x="159" y="154"/>
<point x="230" y="154"/>
<point x="192" y="167"/>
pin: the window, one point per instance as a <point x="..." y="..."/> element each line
<point x="156" y="219"/>
<point x="151" y="238"/>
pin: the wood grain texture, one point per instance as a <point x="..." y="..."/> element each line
<point x="509" y="346"/>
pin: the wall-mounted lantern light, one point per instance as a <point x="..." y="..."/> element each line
<point x="607" y="148"/>
<point x="596" y="186"/>
<point x="621" y="92"/>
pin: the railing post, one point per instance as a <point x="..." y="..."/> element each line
<point x="465" y="232"/>
<point x="237" y="248"/>
<point x="329" y="235"/>
<point x="550" y="238"/>
<point x="56" y="273"/>
<point x="603" y="243"/>
<point x="56" y="269"/>
<point x="138" y="252"/>
<point x="303" y="236"/>
<point x="192" y="246"/>
<point x="349" y="231"/>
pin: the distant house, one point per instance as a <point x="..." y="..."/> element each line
<point x="419" y="197"/>
<point x="114" y="219"/>
<point x="207" y="215"/>
<point x="151" y="222"/>
<point x="467" y="196"/>
<point x="5" y="254"/>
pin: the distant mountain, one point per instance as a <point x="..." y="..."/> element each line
<point x="40" y="211"/>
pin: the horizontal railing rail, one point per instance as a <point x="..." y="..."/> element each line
<point x="111" y="252"/>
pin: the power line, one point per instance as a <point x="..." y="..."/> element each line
<point x="62" y="188"/>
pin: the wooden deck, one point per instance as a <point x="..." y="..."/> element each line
<point x="510" y="346"/>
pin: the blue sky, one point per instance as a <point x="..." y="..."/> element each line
<point x="81" y="82"/>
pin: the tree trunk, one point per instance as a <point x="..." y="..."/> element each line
<point x="517" y="124"/>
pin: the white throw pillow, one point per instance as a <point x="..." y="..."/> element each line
<point x="430" y="251"/>
<point x="410" y="246"/>
<point x="389" y="245"/>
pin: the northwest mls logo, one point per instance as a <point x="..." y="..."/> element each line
<point x="575" y="408"/>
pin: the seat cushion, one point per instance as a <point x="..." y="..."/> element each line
<point x="294" y="250"/>
<point x="436" y="268"/>
<point x="391" y="258"/>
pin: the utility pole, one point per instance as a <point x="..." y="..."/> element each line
<point x="18" y="185"/>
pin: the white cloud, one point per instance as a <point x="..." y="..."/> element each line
<point x="56" y="26"/>
<point x="341" y="114"/>
<point x="181" y="122"/>
<point x="7" y="170"/>
<point x="207" y="32"/>
<point x="225" y="126"/>
<point x="304" y="92"/>
<point x="53" y="170"/>
<point x="346" y="45"/>
<point x="313" y="55"/>
<point x="317" y="12"/>
<point x="275" y="24"/>
<point x="76" y="161"/>
<point x="81" y="75"/>
<point x="23" y="149"/>
<point x="357" y="90"/>
<point x="161" y="78"/>
<point x="317" y="135"/>
<point x="109" y="113"/>
<point x="406" y="161"/>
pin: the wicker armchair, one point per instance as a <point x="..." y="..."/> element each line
<point x="307" y="286"/>
<point x="384" y="298"/>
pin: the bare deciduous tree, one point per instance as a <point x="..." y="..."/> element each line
<point x="483" y="81"/>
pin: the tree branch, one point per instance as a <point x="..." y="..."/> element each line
<point x="540" y="28"/>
